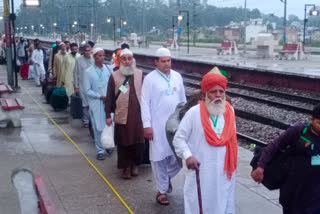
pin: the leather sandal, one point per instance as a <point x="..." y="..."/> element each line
<point x="162" y="199"/>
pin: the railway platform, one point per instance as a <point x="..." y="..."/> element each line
<point x="58" y="149"/>
<point x="304" y="68"/>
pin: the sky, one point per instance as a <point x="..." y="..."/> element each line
<point x="295" y="7"/>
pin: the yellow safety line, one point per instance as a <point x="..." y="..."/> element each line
<point x="78" y="148"/>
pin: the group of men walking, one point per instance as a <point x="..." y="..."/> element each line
<point x="139" y="108"/>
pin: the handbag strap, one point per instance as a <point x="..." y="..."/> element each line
<point x="123" y="84"/>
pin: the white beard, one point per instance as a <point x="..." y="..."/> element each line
<point x="127" y="70"/>
<point x="215" y="108"/>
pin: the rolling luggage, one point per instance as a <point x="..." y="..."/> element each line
<point x="76" y="106"/>
<point x="59" y="99"/>
<point x="48" y="92"/>
<point x="48" y="81"/>
<point x="24" y="70"/>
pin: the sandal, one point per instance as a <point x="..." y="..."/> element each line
<point x="162" y="199"/>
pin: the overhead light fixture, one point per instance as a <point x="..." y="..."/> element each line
<point x="54" y="24"/>
<point x="31" y="3"/>
<point x="180" y="17"/>
<point x="314" y="12"/>
<point x="91" y="25"/>
<point x="108" y="20"/>
<point x="1" y="17"/>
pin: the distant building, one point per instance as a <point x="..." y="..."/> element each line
<point x="253" y="28"/>
<point x="228" y="33"/>
<point x="315" y="35"/>
<point x="292" y="35"/>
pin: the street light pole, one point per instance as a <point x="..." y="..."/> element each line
<point x="306" y="20"/>
<point x="114" y="27"/>
<point x="173" y="18"/>
<point x="122" y="23"/>
<point x="187" y="12"/>
<point x="245" y="27"/>
<point x="284" y="20"/>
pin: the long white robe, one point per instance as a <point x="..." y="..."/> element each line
<point x="38" y="66"/>
<point x="82" y="64"/>
<point x="157" y="106"/>
<point x="218" y="192"/>
<point x="95" y="88"/>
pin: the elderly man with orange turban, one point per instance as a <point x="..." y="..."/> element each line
<point x="206" y="139"/>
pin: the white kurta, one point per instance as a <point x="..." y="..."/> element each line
<point x="37" y="59"/>
<point x="82" y="64"/>
<point x="218" y="192"/>
<point x="96" y="86"/>
<point x="67" y="74"/>
<point x="157" y="106"/>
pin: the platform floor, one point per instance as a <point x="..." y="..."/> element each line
<point x="75" y="187"/>
<point x="304" y="68"/>
<point x="309" y="67"/>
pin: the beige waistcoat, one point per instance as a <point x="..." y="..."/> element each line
<point x="122" y="103"/>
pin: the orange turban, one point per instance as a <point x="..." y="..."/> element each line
<point x="212" y="79"/>
<point x="116" y="59"/>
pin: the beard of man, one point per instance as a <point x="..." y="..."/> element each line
<point x="216" y="106"/>
<point x="127" y="70"/>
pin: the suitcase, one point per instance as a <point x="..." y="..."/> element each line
<point x="48" y="92"/>
<point x="76" y="106"/>
<point x="48" y="81"/>
<point x="24" y="70"/>
<point x="59" y="99"/>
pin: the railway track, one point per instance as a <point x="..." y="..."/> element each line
<point x="279" y="94"/>
<point x="194" y="80"/>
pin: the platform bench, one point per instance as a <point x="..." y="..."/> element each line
<point x="11" y="110"/>
<point x="227" y="47"/>
<point x="168" y="43"/>
<point x="289" y="50"/>
<point x="5" y="89"/>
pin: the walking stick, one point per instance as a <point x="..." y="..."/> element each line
<point x="199" y="191"/>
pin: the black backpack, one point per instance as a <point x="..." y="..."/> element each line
<point x="277" y="169"/>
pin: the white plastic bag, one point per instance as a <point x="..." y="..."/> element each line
<point x="107" y="137"/>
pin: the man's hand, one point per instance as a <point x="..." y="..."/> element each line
<point x="148" y="133"/>
<point x="103" y="98"/>
<point x="258" y="174"/>
<point x="192" y="163"/>
<point x="109" y="121"/>
<point x="76" y="90"/>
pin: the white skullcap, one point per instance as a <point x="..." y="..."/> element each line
<point x="58" y="40"/>
<point x="126" y="51"/>
<point x="96" y="50"/>
<point x="61" y="43"/>
<point x="163" y="52"/>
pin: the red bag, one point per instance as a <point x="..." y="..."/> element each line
<point x="24" y="70"/>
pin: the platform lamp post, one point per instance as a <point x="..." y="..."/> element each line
<point x="122" y="23"/>
<point x="54" y="27"/>
<point x="180" y="17"/>
<point x="114" y="27"/>
<point x="284" y="21"/>
<point x="313" y="12"/>
<point x="173" y="20"/>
